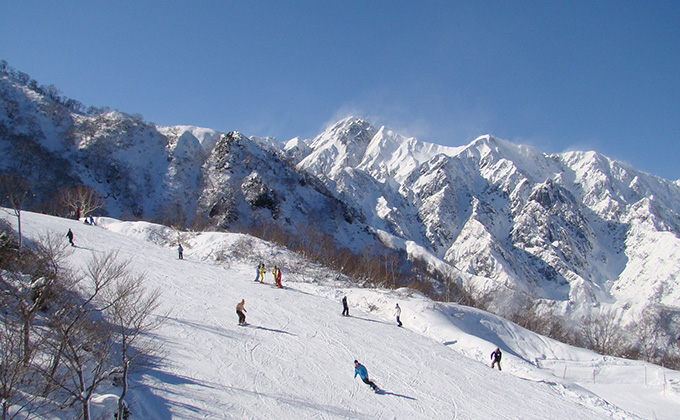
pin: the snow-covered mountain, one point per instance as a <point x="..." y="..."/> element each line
<point x="181" y="175"/>
<point x="577" y="231"/>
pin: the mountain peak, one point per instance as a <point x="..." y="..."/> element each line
<point x="341" y="145"/>
<point x="348" y="130"/>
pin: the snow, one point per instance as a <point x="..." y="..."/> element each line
<point x="295" y="358"/>
<point x="206" y="137"/>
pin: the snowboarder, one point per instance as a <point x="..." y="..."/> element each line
<point x="69" y="235"/>
<point x="397" y="313"/>
<point x="496" y="358"/>
<point x="278" y="277"/>
<point x="180" y="251"/>
<point x="345" y="308"/>
<point x="240" y="312"/>
<point x="360" y="370"/>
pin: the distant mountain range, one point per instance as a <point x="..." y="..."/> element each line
<point x="576" y="231"/>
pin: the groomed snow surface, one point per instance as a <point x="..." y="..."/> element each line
<point x="295" y="358"/>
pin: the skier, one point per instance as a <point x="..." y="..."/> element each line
<point x="278" y="278"/>
<point x="257" y="272"/>
<point x="180" y="251"/>
<point x="69" y="235"/>
<point x="345" y="308"/>
<point x="360" y="370"/>
<point x="274" y="272"/>
<point x="496" y="358"/>
<point x="397" y="313"/>
<point x="240" y="312"/>
<point x="261" y="273"/>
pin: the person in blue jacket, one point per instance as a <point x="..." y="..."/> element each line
<point x="360" y="370"/>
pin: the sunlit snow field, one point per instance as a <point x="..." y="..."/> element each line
<point x="295" y="359"/>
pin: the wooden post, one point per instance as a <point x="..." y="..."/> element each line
<point x="664" y="384"/>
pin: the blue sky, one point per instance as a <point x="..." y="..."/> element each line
<point x="558" y="75"/>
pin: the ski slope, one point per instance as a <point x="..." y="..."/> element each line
<point x="295" y="359"/>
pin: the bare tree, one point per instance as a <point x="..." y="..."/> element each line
<point x="15" y="191"/>
<point x="601" y="332"/>
<point x="132" y="311"/>
<point x="31" y="283"/>
<point x="81" y="199"/>
<point x="85" y="345"/>
<point x="648" y="330"/>
<point x="88" y="345"/>
<point x="13" y="370"/>
<point x="83" y="341"/>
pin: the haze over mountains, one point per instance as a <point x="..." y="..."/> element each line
<point x="576" y="232"/>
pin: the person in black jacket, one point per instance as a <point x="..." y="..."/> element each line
<point x="345" y="308"/>
<point x="496" y="358"/>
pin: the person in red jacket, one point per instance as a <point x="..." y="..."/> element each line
<point x="278" y="277"/>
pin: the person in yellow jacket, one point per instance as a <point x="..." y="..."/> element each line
<point x="261" y="272"/>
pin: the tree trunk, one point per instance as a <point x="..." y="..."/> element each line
<point x="121" y="399"/>
<point x="85" y="395"/>
<point x="19" y="225"/>
<point x="26" y="340"/>
<point x="86" y="408"/>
